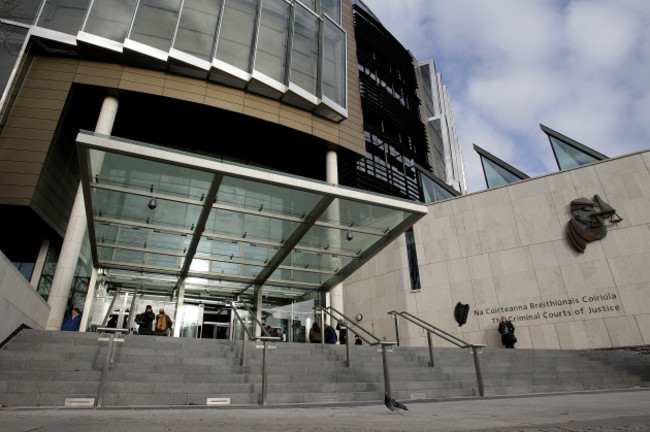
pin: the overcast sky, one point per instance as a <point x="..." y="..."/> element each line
<point x="580" y="67"/>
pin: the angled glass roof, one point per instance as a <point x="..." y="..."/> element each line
<point x="570" y="153"/>
<point x="159" y="217"/>
<point x="497" y="172"/>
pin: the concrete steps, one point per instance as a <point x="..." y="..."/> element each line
<point x="39" y="368"/>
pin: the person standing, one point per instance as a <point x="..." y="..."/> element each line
<point x="314" y="333"/>
<point x="146" y="318"/>
<point x="330" y="334"/>
<point x="507" y="331"/>
<point x="72" y="321"/>
<point x="343" y="332"/>
<point x="163" y="324"/>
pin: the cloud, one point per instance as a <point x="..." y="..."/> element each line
<point x="580" y="67"/>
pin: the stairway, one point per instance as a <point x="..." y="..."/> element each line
<point x="46" y="368"/>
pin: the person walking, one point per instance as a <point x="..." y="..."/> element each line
<point x="163" y="324"/>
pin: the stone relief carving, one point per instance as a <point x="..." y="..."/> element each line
<point x="588" y="222"/>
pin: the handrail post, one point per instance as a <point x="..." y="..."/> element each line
<point x="430" y="343"/>
<point x="322" y="326"/>
<point x="347" y="347"/>
<point x="386" y="371"/>
<point x="479" y="373"/>
<point x="243" y="347"/>
<point x="264" y="389"/>
<point x="396" y="327"/>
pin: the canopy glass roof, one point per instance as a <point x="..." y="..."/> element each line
<point x="159" y="217"/>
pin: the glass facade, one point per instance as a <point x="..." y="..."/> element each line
<point x="300" y="46"/>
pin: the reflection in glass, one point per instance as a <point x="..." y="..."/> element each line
<point x="110" y="19"/>
<point x="155" y="22"/>
<point x="334" y="62"/>
<point x="304" y="55"/>
<point x="23" y="11"/>
<point x="331" y="8"/>
<point x="10" y="47"/>
<point x="236" y="33"/>
<point x="197" y="28"/>
<point x="65" y="16"/>
<point x="271" y="55"/>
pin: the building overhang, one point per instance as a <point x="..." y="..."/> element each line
<point x="159" y="218"/>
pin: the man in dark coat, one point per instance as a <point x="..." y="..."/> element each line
<point x="507" y="331"/>
<point x="72" y="321"/>
<point x="330" y="334"/>
<point x="146" y="318"/>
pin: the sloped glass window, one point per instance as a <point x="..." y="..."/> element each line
<point x="273" y="38"/>
<point x="433" y="191"/>
<point x="496" y="175"/>
<point x="334" y="62"/>
<point x="331" y="8"/>
<point x="236" y="33"/>
<point x="304" y="55"/>
<point x="66" y="16"/>
<point x="155" y="22"/>
<point x="568" y="156"/>
<point x="197" y="28"/>
<point x="110" y="19"/>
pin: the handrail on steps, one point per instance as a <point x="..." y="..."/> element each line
<point x="264" y="338"/>
<point x="433" y="330"/>
<point x="363" y="334"/>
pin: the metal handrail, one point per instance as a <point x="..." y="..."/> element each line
<point x="454" y="340"/>
<point x="267" y="338"/>
<point x="369" y="338"/>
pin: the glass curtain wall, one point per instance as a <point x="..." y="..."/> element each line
<point x="197" y="28"/>
<point x="273" y="39"/>
<point x="154" y="23"/>
<point x="65" y="16"/>
<point x="110" y="19"/>
<point x="304" y="54"/>
<point x="334" y="64"/>
<point x="236" y="33"/>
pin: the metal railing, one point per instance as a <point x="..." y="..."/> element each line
<point x="248" y="335"/>
<point x="364" y="335"/>
<point x="435" y="331"/>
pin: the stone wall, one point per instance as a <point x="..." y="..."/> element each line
<point x="19" y="302"/>
<point x="504" y="251"/>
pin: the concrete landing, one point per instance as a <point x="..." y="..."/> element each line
<point x="593" y="411"/>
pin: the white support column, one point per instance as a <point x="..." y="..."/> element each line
<point x="90" y="297"/>
<point x="257" y="308"/>
<point x="40" y="264"/>
<point x="335" y="296"/>
<point x="74" y="235"/>
<point x="178" y="317"/>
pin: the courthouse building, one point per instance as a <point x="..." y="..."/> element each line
<point x="289" y="154"/>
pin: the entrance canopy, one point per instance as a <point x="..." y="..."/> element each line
<point x="158" y="218"/>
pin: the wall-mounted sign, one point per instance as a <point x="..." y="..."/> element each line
<point x="588" y="222"/>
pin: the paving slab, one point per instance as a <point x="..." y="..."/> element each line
<point x="576" y="412"/>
